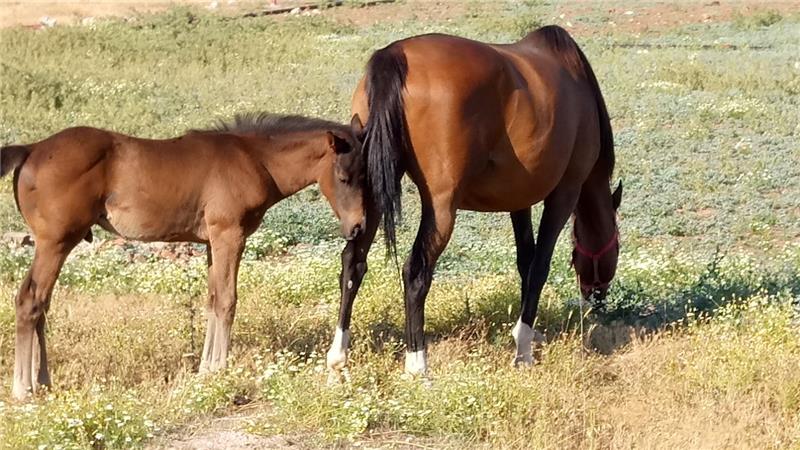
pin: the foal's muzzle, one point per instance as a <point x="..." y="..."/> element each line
<point x="354" y="231"/>
<point x="596" y="296"/>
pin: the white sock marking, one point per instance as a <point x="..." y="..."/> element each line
<point x="340" y="347"/>
<point x="523" y="336"/>
<point x="416" y="362"/>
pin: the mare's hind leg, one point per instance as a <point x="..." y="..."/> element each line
<point x="558" y="206"/>
<point x="32" y="303"/>
<point x="226" y="253"/>
<point x="354" y="267"/>
<point x="436" y="226"/>
<point x="208" y="344"/>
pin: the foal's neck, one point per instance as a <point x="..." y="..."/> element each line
<point x="295" y="160"/>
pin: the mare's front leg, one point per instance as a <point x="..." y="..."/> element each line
<point x="436" y="226"/>
<point x="526" y="246"/>
<point x="227" y="245"/>
<point x="354" y="267"/>
<point x="32" y="304"/>
<point x="558" y="206"/>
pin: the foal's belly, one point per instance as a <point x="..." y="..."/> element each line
<point x="146" y="221"/>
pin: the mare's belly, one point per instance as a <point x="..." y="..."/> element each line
<point x="499" y="195"/>
<point x="508" y="186"/>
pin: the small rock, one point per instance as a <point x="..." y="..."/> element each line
<point x="295" y="11"/>
<point x="628" y="13"/>
<point x="18" y="238"/>
<point x="47" y="21"/>
<point x="213" y="5"/>
<point x="87" y="21"/>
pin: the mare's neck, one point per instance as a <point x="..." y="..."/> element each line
<point x="595" y="218"/>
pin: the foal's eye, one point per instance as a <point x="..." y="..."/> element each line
<point x="343" y="180"/>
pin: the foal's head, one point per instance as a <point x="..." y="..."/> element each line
<point x="343" y="181"/>
<point x="596" y="247"/>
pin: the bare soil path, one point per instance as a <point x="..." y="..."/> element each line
<point x="31" y="12"/>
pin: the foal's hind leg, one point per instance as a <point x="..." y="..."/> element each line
<point x="208" y="344"/>
<point x="558" y="206"/>
<point x="32" y="303"/>
<point x="226" y="249"/>
<point x="436" y="226"/>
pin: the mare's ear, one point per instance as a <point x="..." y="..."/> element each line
<point x="616" y="197"/>
<point x="337" y="144"/>
<point x="356" y="126"/>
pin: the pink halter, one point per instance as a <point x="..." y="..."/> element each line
<point x="595" y="257"/>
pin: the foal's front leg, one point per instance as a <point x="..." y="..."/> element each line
<point x="227" y="246"/>
<point x="354" y="267"/>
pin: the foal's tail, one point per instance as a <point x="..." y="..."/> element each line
<point x="386" y="139"/>
<point x="561" y="44"/>
<point x="12" y="157"/>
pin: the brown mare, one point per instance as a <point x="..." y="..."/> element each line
<point x="485" y="128"/>
<point x="209" y="187"/>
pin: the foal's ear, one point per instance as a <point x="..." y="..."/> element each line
<point x="616" y="197"/>
<point x="356" y="126"/>
<point x="337" y="144"/>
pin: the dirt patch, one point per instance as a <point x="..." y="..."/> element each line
<point x="222" y="433"/>
<point x="580" y="17"/>
<point x="28" y="13"/>
<point x="584" y="17"/>
<point x="228" y="433"/>
<point x="70" y="12"/>
<point x="226" y="440"/>
<point x="403" y="11"/>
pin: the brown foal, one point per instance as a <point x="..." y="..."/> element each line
<point x="486" y="128"/>
<point x="210" y="186"/>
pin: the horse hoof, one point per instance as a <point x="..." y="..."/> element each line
<point x="337" y="377"/>
<point x="522" y="361"/>
<point x="336" y="361"/>
<point x="20" y="394"/>
<point x="334" y="378"/>
<point x="423" y="378"/>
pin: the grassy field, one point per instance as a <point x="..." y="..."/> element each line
<point x="706" y="119"/>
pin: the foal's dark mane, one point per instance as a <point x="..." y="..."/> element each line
<point x="269" y="124"/>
